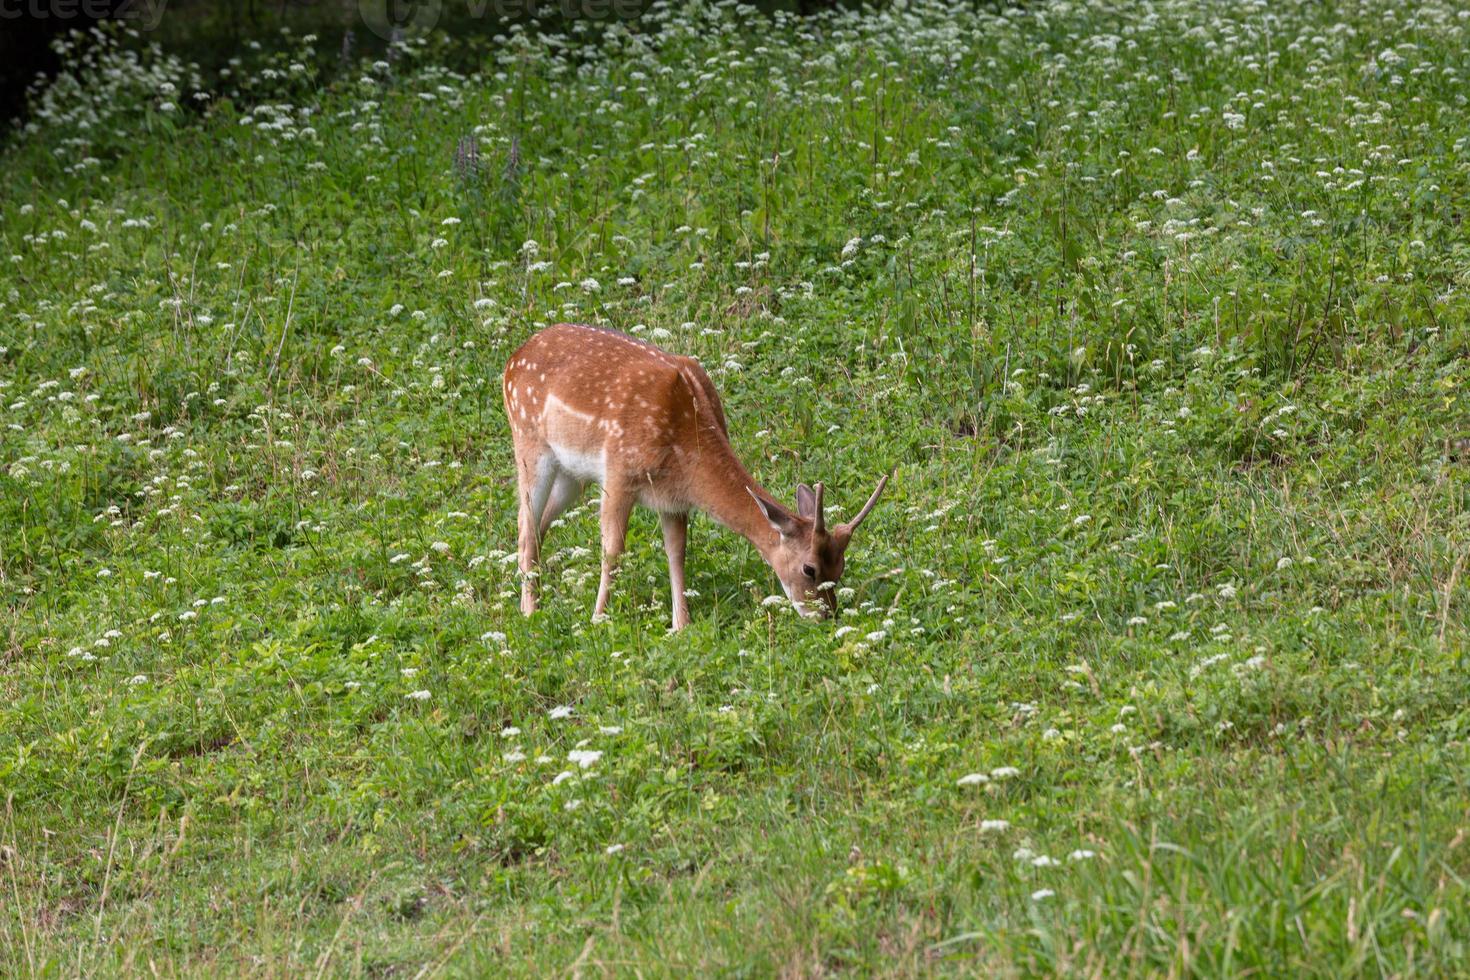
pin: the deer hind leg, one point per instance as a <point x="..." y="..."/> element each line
<point x="536" y="472"/>
<point x="564" y="492"/>
<point x="676" y="535"/>
<point x="617" y="506"/>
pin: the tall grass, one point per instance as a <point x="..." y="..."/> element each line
<point x="1151" y="662"/>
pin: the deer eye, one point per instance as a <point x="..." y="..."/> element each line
<point x="809" y="571"/>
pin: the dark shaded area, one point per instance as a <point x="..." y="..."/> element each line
<point x="211" y="31"/>
<point x="27" y="28"/>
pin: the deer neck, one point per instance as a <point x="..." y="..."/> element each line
<point x="720" y="490"/>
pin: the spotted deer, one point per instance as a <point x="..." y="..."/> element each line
<point x="592" y="405"/>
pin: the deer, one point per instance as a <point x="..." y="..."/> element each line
<point x="595" y="405"/>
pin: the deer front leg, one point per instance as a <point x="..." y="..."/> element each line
<point x="617" y="506"/>
<point x="676" y="534"/>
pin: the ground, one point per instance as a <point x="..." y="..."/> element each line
<point x="1151" y="661"/>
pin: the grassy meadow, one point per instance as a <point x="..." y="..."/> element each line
<point x="1151" y="662"/>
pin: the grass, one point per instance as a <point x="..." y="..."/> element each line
<point x="1159" y="311"/>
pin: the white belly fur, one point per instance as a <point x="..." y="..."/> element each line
<point x="582" y="465"/>
<point x="577" y="463"/>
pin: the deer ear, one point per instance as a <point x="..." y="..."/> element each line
<point x="806" y="501"/>
<point x="780" y="518"/>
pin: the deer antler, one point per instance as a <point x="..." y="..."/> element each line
<point x="852" y="525"/>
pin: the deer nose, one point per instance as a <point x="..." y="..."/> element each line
<point x="822" y="605"/>
<point x="813" y="608"/>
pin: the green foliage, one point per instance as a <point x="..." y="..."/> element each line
<point x="1151" y="661"/>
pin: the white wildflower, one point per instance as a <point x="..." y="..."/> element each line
<point x="585" y="758"/>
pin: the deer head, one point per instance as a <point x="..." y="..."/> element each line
<point x="809" y="557"/>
